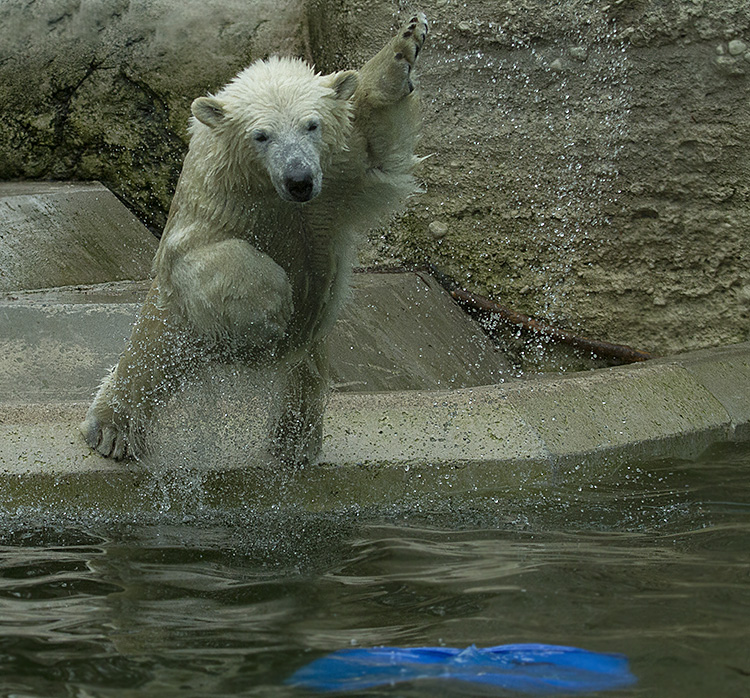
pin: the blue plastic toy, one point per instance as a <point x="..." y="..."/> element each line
<point x="524" y="668"/>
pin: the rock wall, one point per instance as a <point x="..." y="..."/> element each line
<point x="589" y="162"/>
<point x="101" y="89"/>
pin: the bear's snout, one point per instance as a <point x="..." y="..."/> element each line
<point x="299" y="183"/>
<point x="294" y="168"/>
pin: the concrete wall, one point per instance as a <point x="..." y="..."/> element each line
<point x="589" y="160"/>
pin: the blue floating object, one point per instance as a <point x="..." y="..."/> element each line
<point x="525" y="668"/>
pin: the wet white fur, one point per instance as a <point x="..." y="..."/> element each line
<point x="245" y="274"/>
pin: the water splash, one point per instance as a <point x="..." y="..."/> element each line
<point x="536" y="120"/>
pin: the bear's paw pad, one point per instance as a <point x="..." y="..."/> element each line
<point x="409" y="41"/>
<point x="105" y="439"/>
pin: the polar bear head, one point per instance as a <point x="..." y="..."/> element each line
<point x="279" y="122"/>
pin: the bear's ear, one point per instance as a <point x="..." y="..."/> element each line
<point x="343" y="84"/>
<point x="208" y="110"/>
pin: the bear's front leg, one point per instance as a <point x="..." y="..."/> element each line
<point x="298" y="434"/>
<point x="387" y="77"/>
<point x="233" y="295"/>
<point x="146" y="373"/>
<point x="386" y="113"/>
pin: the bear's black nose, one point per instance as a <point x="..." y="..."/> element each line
<point x="299" y="184"/>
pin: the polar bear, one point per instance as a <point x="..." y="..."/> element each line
<point x="285" y="167"/>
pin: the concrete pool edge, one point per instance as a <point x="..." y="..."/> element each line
<point x="384" y="448"/>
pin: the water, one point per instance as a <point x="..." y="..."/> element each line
<point x="653" y="563"/>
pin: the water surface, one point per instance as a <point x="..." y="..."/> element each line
<point x="652" y="562"/>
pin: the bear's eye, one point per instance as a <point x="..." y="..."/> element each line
<point x="260" y="136"/>
<point x="312" y="126"/>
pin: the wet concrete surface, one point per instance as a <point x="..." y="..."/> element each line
<point x="423" y="405"/>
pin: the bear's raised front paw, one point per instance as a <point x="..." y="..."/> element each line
<point x="410" y="40"/>
<point x="105" y="439"/>
<point x="406" y="46"/>
<point x="387" y="78"/>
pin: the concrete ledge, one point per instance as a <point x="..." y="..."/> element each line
<point x="725" y="373"/>
<point x="382" y="449"/>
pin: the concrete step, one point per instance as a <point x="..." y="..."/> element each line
<point x="397" y="332"/>
<point x="426" y="411"/>
<point x="64" y="233"/>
